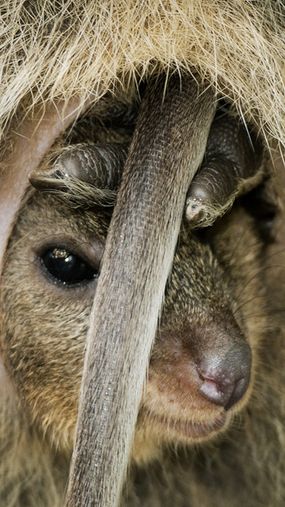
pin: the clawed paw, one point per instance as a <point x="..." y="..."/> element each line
<point x="234" y="164"/>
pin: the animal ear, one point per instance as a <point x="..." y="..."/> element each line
<point x="98" y="165"/>
<point x="233" y="165"/>
<point x="30" y="142"/>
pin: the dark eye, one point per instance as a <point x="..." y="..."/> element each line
<point x="67" y="267"/>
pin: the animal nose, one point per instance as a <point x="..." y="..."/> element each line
<point x="225" y="380"/>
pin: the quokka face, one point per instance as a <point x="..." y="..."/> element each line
<point x="202" y="365"/>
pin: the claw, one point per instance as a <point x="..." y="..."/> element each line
<point x="233" y="165"/>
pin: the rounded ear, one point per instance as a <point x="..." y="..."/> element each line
<point x="31" y="142"/>
<point x="99" y="165"/>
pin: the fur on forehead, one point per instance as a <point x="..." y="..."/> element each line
<point x="54" y="50"/>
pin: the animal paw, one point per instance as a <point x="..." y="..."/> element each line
<point x="232" y="166"/>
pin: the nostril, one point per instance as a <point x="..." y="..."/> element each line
<point x="224" y="393"/>
<point x="213" y="392"/>
<point x="225" y="380"/>
<point x="239" y="390"/>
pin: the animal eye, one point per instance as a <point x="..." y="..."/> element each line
<point x="67" y="267"/>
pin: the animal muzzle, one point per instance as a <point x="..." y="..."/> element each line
<point x="208" y="364"/>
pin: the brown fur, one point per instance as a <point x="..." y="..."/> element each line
<point x="210" y="283"/>
<point x="267" y="22"/>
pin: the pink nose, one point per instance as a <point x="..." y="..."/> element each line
<point x="225" y="380"/>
